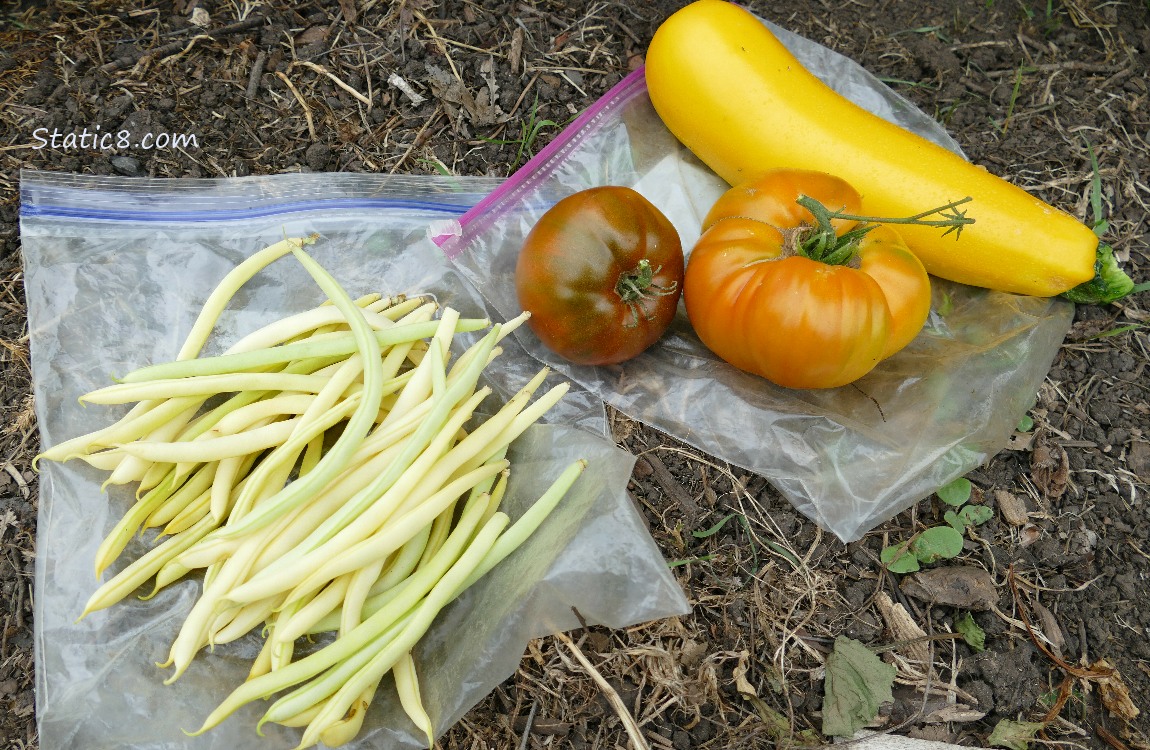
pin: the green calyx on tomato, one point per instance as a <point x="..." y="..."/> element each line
<point x="781" y="286"/>
<point x="638" y="285"/>
<point x="601" y="274"/>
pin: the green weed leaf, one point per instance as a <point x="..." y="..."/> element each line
<point x="688" y="561"/>
<point x="1100" y="224"/>
<point x="968" y="515"/>
<point x="1015" y="735"/>
<point x="974" y="636"/>
<point x="974" y="515"/>
<point x="938" y="543"/>
<point x="857" y="683"/>
<point x="955" y="493"/>
<point x="1117" y="331"/>
<point x="779" y="726"/>
<point x="714" y="529"/>
<point x="898" y="558"/>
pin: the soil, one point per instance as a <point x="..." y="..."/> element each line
<point x="1029" y="89"/>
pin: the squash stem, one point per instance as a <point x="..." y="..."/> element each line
<point x="1110" y="282"/>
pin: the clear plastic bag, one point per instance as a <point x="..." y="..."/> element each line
<point x="115" y="271"/>
<point x="848" y="458"/>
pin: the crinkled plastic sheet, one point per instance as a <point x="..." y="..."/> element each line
<point x="848" y="458"/>
<point x="115" y="272"/>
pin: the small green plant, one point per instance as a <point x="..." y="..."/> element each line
<point x="944" y="113"/>
<point x="904" y="82"/>
<point x="1117" y="331"/>
<point x="938" y="542"/>
<point x="688" y="561"/>
<point x="745" y="524"/>
<point x="1013" y="99"/>
<point x="1099" y="222"/>
<point x="528" y="133"/>
<point x="437" y="165"/>
<point x="1044" y="18"/>
<point x="974" y="636"/>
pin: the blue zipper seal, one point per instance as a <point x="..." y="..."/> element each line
<point x="255" y="212"/>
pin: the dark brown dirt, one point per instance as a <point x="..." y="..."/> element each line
<point x="1026" y="87"/>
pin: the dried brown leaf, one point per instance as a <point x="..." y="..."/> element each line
<point x="1049" y="626"/>
<point x="1049" y="466"/>
<point x="1114" y="693"/>
<point x="692" y="653"/>
<point x="1020" y="441"/>
<point x="515" y="55"/>
<point x="480" y="108"/>
<point x="350" y="12"/>
<point x="961" y="586"/>
<point x="1012" y="507"/>
<point x="742" y="684"/>
<point x="1138" y="459"/>
<point x="312" y="35"/>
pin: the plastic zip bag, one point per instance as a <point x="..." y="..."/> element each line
<point x="116" y="270"/>
<point x="848" y="458"/>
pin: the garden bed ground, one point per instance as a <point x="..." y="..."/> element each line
<point x="1026" y="87"/>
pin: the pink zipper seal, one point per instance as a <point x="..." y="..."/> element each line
<point x="451" y="236"/>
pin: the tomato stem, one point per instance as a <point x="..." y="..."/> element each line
<point x="637" y="285"/>
<point x="822" y="243"/>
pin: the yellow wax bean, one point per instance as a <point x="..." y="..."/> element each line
<point x="386" y="657"/>
<point x="387" y="539"/>
<point x="214" y="449"/>
<point x="292" y="326"/>
<point x="407" y="685"/>
<point x="205" y="385"/>
<point x="140" y="570"/>
<point x="141" y="419"/>
<point x="189" y="488"/>
<point x="345" y="730"/>
<point x="296" y="619"/>
<point x="351" y="614"/>
<point x="292" y="570"/>
<point x="227" y="288"/>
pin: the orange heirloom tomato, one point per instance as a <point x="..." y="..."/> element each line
<point x="782" y="287"/>
<point x="601" y="273"/>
